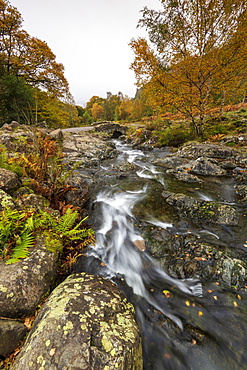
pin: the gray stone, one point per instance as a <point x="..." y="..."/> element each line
<point x="8" y="180"/>
<point x="79" y="194"/>
<point x="201" y="211"/>
<point x="57" y="134"/>
<point x="11" y="332"/>
<point x="196" y="150"/>
<point x="205" y="167"/>
<point x="23" y="283"/>
<point x="85" y="324"/>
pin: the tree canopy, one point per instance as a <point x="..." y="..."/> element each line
<point x="28" y="67"/>
<point x="195" y="57"/>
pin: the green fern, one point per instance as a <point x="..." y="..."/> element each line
<point x="21" y="250"/>
<point x="26" y="226"/>
<point x="67" y="221"/>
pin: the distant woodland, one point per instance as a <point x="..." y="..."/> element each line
<point x="193" y="62"/>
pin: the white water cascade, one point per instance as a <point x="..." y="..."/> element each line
<point x="118" y="248"/>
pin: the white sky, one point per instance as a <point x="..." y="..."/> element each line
<point x="90" y="38"/>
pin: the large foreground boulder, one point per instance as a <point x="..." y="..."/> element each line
<point x="85" y="324"/>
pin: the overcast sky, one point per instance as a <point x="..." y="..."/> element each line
<point x="90" y="38"/>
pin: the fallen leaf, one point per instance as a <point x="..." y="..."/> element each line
<point x="52" y="351"/>
<point x="215" y="297"/>
<point x="200" y="313"/>
<point x="235" y="304"/>
<point x="187" y="303"/>
<point x="166" y="355"/>
<point x="140" y="244"/>
<point x="167" y="293"/>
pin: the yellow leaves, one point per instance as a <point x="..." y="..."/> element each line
<point x="167" y="293"/>
<point x="52" y="351"/>
<point x="200" y="313"/>
<point x="187" y="303"/>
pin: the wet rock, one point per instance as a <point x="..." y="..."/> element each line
<point x="85" y="324"/>
<point x="171" y="161"/>
<point x="197" y="150"/>
<point x="8" y="180"/>
<point x="200" y="211"/>
<point x="205" y="167"/>
<point x="23" y="283"/>
<point x="11" y="332"/>
<point x="184" y="176"/>
<point x="79" y="195"/>
<point x="6" y="201"/>
<point x="241" y="190"/>
<point x="191" y="257"/>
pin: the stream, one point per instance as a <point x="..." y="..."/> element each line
<point x="186" y="321"/>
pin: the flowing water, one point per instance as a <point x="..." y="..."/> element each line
<point x="184" y="323"/>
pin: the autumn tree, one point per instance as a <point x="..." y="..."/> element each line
<point x="28" y="64"/>
<point x="196" y="51"/>
<point x="97" y="112"/>
<point x="125" y="108"/>
<point x="111" y="105"/>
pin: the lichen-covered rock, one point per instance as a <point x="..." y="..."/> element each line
<point x="6" y="201"/>
<point x="184" y="176"/>
<point x="34" y="201"/>
<point x="11" y="332"/>
<point x="201" y="211"/>
<point x="205" y="167"/>
<point x="197" y="150"/>
<point x="241" y="190"/>
<point x="85" y="324"/>
<point x="23" y="283"/>
<point x="8" y="180"/>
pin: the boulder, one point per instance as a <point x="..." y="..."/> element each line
<point x="87" y="324"/>
<point x="197" y="150"/>
<point x="206" y="167"/>
<point x="23" y="283"/>
<point x="11" y="332"/>
<point x="201" y="211"/>
<point x="57" y="134"/>
<point x="8" y="180"/>
<point x="171" y="161"/>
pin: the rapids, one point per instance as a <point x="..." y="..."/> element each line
<point x="184" y="323"/>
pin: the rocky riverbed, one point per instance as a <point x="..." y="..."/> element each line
<point x="199" y="191"/>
